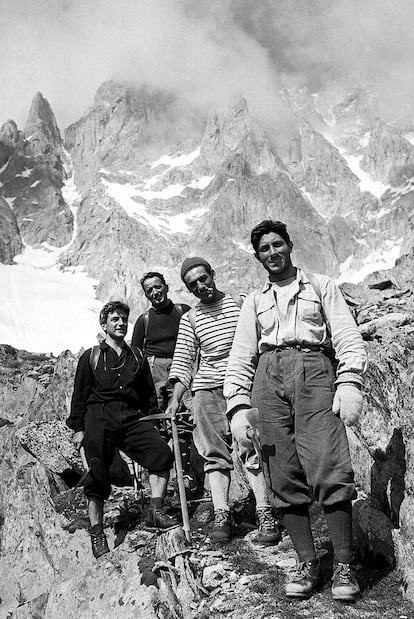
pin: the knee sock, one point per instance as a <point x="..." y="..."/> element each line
<point x="339" y="520"/>
<point x="297" y="523"/>
<point x="219" y="486"/>
<point x="258" y="486"/>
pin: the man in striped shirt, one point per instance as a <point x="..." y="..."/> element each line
<point x="203" y="345"/>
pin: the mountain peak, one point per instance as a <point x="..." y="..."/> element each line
<point x="41" y="128"/>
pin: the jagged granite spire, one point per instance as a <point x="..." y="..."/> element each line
<point x="41" y="128"/>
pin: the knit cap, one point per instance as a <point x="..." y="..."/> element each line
<point x="194" y="261"/>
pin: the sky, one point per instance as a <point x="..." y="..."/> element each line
<point x="206" y="51"/>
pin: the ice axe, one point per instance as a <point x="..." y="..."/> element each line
<point x="178" y="467"/>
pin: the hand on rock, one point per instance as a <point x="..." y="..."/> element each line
<point x="347" y="403"/>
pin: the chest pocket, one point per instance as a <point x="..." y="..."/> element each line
<point x="266" y="315"/>
<point x="309" y="309"/>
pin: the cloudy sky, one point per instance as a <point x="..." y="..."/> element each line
<point x="208" y="51"/>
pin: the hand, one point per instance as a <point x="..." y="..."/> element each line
<point x="173" y="407"/>
<point x="78" y="439"/>
<point x="347" y="403"/>
<point x="240" y="426"/>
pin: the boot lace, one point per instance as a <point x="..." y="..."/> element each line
<point x="221" y="517"/>
<point x="266" y="519"/>
<point x="342" y="574"/>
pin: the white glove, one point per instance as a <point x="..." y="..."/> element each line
<point x="347" y="403"/>
<point x="239" y="427"/>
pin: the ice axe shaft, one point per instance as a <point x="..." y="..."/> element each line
<point x="178" y="468"/>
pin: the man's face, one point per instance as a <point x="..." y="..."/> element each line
<point x="274" y="254"/>
<point x="116" y="325"/>
<point x="155" y="291"/>
<point x="201" y="283"/>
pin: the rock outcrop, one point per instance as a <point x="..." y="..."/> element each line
<point x="10" y="240"/>
<point x="32" y="177"/>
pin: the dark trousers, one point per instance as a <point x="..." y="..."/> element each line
<point x="107" y="429"/>
<point x="304" y="444"/>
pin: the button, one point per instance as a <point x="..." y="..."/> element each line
<point x="120" y="387"/>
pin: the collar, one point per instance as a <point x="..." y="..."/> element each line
<point x="104" y="346"/>
<point x="301" y="278"/>
<point x="163" y="310"/>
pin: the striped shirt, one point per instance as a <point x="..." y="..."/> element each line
<point x="215" y="325"/>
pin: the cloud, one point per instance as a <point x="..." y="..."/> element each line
<point x="208" y="52"/>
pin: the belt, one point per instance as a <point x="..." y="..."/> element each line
<point x="310" y="348"/>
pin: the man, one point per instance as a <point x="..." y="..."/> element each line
<point x="155" y="332"/>
<point x="281" y="363"/>
<point x="109" y="402"/>
<point x="203" y="345"/>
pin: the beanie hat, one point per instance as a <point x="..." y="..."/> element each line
<point x="190" y="263"/>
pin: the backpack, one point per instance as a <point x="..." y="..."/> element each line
<point x="145" y="317"/>
<point x="96" y="351"/>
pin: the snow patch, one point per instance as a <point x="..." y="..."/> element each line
<point x="10" y="201"/>
<point x="178" y="161"/>
<point x="35" y="184"/>
<point x="127" y="196"/>
<point x="26" y="173"/>
<point x="379" y="259"/>
<point x="376" y="188"/>
<point x="46" y="309"/>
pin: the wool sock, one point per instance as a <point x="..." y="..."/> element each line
<point x="157" y="502"/>
<point x="258" y="486"/>
<point x="339" y="520"/>
<point x="219" y="486"/>
<point x="297" y="523"/>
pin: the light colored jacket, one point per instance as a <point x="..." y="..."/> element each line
<point x="310" y="321"/>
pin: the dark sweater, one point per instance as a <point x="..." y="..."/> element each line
<point x="117" y="383"/>
<point x="162" y="330"/>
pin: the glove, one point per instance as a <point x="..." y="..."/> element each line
<point x="239" y="427"/>
<point x="347" y="403"/>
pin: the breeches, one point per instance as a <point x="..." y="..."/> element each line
<point x="106" y="430"/>
<point x="304" y="444"/>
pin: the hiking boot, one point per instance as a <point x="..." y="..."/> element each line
<point x="99" y="543"/>
<point x="268" y="532"/>
<point x="220" y="530"/>
<point x="345" y="587"/>
<point x="157" y="518"/>
<point x="304" y="580"/>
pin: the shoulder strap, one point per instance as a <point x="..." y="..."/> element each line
<point x="94" y="357"/>
<point x="145" y="320"/>
<point x="138" y="355"/>
<point x="315" y="285"/>
<point x="181" y="308"/>
<point x="239" y="298"/>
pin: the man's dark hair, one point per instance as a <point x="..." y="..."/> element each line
<point x="110" y="308"/>
<point x="151" y="274"/>
<point x="266" y="226"/>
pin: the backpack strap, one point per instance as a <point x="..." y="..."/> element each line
<point x="239" y="298"/>
<point x="145" y="320"/>
<point x="138" y="356"/>
<point x="181" y="308"/>
<point x="94" y="357"/>
<point x="96" y="351"/>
